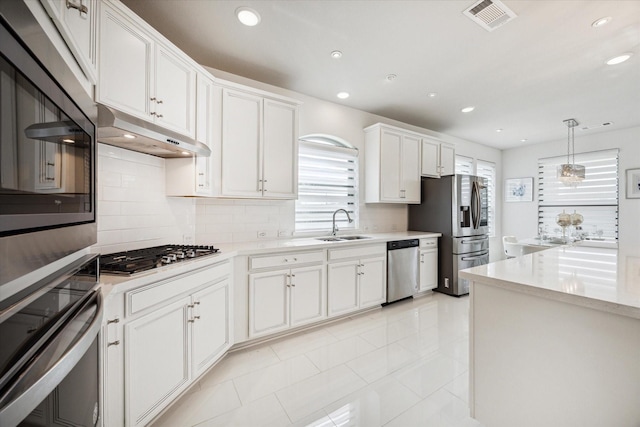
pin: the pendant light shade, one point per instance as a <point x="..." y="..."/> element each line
<point x="569" y="173"/>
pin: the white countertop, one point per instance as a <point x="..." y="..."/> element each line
<point x="605" y="279"/>
<point x="227" y="251"/>
<point x="302" y="243"/>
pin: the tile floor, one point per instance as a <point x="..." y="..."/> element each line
<point x="403" y="365"/>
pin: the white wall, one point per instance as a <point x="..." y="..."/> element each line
<point x="520" y="219"/>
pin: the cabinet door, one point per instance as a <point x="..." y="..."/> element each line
<point x="268" y="302"/>
<point x="241" y="144"/>
<point x="308" y="295"/>
<point x="428" y="269"/>
<point x="204" y="133"/>
<point x="175" y="94"/>
<point x="210" y="320"/>
<point x="410" y="189"/>
<point x="156" y="361"/>
<point x="126" y="57"/>
<point x="430" y="158"/>
<point x="78" y="26"/>
<point x="280" y="148"/>
<point x="343" y="287"/>
<point x="373" y="282"/>
<point x="390" y="161"/>
<point x="447" y="160"/>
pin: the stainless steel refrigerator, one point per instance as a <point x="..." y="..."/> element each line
<point x="455" y="206"/>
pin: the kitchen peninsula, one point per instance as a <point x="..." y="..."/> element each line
<point x="555" y="338"/>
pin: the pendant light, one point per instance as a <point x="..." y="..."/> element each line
<point x="569" y="173"/>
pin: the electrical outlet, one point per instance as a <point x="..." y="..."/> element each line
<point x="262" y="234"/>
<point x="187" y="239"/>
<point x="446" y="282"/>
<point x="283" y="233"/>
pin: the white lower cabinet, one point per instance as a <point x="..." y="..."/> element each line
<point x="357" y="283"/>
<point x="428" y="264"/>
<point x="159" y="339"/>
<point x="156" y="360"/>
<point x="282" y="299"/>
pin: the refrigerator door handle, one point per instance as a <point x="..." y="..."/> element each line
<point x="471" y="258"/>
<point x="475" y="204"/>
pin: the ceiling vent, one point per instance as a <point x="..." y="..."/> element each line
<point x="489" y="14"/>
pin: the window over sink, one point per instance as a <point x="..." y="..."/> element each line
<point x="327" y="180"/>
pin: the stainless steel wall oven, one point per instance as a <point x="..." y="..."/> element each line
<point x="49" y="360"/>
<point x="47" y="150"/>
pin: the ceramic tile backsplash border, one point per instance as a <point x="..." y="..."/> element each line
<point x="133" y="211"/>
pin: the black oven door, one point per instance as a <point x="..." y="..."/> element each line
<point x="49" y="371"/>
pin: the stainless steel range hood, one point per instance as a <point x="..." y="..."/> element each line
<point x="145" y="137"/>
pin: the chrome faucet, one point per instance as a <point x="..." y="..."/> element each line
<point x="334" y="230"/>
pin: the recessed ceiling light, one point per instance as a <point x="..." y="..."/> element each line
<point x="523" y="140"/>
<point x="498" y="130"/>
<point x="468" y="109"/>
<point x="602" y="21"/>
<point x="343" y="95"/>
<point x="391" y="77"/>
<point x="248" y="16"/>
<point x="129" y="136"/>
<point x="186" y="153"/>
<point x="432" y="94"/>
<point x="336" y="54"/>
<point x="619" y="59"/>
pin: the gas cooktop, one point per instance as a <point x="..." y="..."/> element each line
<point x="131" y="262"/>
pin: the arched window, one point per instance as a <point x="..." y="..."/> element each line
<point x="327" y="180"/>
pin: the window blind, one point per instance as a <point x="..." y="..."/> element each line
<point x="464" y="165"/>
<point x="327" y="180"/>
<point x="488" y="170"/>
<point x="596" y="198"/>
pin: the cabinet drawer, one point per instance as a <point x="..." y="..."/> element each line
<point x="285" y="259"/>
<point x="156" y="293"/>
<point x="358" y="252"/>
<point x="429" y="243"/>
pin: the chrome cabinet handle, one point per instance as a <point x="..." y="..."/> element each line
<point x="79" y="7"/>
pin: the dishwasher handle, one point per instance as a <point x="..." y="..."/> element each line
<point x="402" y="244"/>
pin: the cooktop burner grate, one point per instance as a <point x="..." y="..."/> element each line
<point x="131" y="262"/>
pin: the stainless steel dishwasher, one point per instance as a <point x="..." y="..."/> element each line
<point x="402" y="269"/>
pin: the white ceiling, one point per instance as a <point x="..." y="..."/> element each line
<point x="525" y="77"/>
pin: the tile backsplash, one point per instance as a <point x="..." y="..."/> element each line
<point x="134" y="212"/>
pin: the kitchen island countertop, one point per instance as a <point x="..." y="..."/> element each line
<point x="601" y="278"/>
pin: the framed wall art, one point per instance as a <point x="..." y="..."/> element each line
<point x="518" y="190"/>
<point x="633" y="183"/>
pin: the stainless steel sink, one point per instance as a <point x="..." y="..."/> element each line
<point x="341" y="238"/>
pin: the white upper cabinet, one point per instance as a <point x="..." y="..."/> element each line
<point x="143" y="76"/>
<point x="194" y="176"/>
<point x="392" y="165"/>
<point x="259" y="146"/>
<point x="77" y="22"/>
<point x="438" y="158"/>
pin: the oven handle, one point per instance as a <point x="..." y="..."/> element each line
<point x="471" y="258"/>
<point x="37" y="386"/>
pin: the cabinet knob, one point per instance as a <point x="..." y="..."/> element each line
<point x="159" y="101"/>
<point x="153" y="98"/>
<point x="159" y="115"/>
